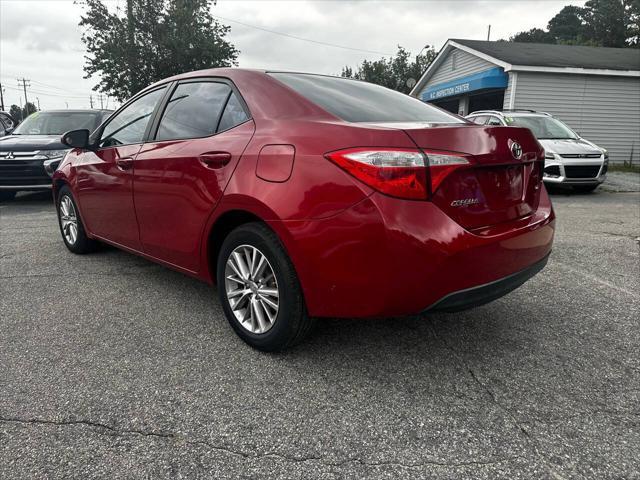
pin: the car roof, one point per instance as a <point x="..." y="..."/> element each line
<point x="511" y="113"/>
<point x="78" y="110"/>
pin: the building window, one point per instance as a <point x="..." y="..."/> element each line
<point x="453" y="60"/>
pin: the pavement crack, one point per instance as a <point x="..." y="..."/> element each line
<point x="111" y="430"/>
<point x="88" y="423"/>
<point x="531" y="440"/>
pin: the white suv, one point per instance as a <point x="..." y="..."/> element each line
<point x="569" y="159"/>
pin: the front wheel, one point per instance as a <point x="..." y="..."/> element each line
<point x="71" y="227"/>
<point x="259" y="289"/>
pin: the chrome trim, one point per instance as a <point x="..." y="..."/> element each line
<point x="580" y="155"/>
<point x="26" y="156"/>
<point x="25" y="187"/>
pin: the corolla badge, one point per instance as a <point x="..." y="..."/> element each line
<point x="464" y="202"/>
<point x="516" y="150"/>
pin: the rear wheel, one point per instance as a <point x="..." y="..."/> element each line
<point x="585" y="188"/>
<point x="6" y="195"/>
<point x="71" y="227"/>
<point x="259" y="289"/>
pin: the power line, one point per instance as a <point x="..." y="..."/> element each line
<point x="326" y="44"/>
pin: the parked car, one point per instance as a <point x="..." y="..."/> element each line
<point x="30" y="154"/>
<point x="7" y="124"/>
<point x="569" y="159"/>
<point x="305" y="196"/>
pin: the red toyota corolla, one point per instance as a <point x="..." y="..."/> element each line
<point x="305" y="196"/>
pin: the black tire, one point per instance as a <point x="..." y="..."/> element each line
<point x="7" y="195"/>
<point x="291" y="324"/>
<point x="585" y="188"/>
<point x="82" y="244"/>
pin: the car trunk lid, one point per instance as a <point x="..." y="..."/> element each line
<point x="501" y="181"/>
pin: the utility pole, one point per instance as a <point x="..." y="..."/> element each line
<point x="23" y="82"/>
<point x="101" y="97"/>
<point x="1" y="98"/>
<point x="489" y="33"/>
<point x="91" y="100"/>
<point x="38" y="100"/>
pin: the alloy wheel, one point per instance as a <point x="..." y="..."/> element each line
<point x="68" y="220"/>
<point x="252" y="289"/>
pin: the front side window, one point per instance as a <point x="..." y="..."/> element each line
<point x="128" y="126"/>
<point x="193" y="110"/>
<point x="357" y="101"/>
<point x="494" y="121"/>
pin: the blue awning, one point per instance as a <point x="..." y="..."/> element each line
<point x="492" y="78"/>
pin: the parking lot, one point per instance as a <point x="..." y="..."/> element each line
<point x="114" y="367"/>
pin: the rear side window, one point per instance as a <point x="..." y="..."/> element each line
<point x="233" y="114"/>
<point x="494" y="121"/>
<point x="356" y="101"/>
<point x="480" y="119"/>
<point x="193" y="110"/>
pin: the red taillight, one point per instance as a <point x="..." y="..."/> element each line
<point x="397" y="172"/>
<point x="441" y="165"/>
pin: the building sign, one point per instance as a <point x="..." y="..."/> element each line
<point x="447" y="92"/>
<point x="492" y="78"/>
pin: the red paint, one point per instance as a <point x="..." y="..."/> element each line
<point x="275" y="162"/>
<point x="358" y="251"/>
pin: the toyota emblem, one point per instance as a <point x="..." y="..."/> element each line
<point x="516" y="150"/>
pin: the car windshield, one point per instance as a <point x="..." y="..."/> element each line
<point x="357" y="101"/>
<point x="57" y="123"/>
<point x="543" y="127"/>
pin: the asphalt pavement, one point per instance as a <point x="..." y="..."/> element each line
<point x="114" y="367"/>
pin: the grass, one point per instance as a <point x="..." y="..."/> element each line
<point x="624" y="167"/>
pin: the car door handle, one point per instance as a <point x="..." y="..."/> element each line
<point x="215" y="159"/>
<point x="124" y="163"/>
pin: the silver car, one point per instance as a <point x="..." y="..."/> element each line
<point x="569" y="159"/>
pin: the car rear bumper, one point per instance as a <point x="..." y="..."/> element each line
<point x="476" y="296"/>
<point x="387" y="257"/>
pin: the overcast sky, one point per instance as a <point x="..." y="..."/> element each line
<point x="40" y="40"/>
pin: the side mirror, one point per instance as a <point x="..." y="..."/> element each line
<point x="76" y="139"/>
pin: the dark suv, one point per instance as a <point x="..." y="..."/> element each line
<point x="30" y="155"/>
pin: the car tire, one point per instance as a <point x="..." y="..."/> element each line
<point x="6" y="196"/>
<point x="585" y="188"/>
<point x="71" y="226"/>
<point x="251" y="313"/>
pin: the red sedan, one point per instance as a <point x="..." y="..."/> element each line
<point x="305" y="196"/>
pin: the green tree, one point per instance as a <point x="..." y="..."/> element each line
<point x="601" y="23"/>
<point x="399" y="72"/>
<point x="567" y="25"/>
<point x="606" y="22"/>
<point x="28" y="109"/>
<point x="535" y="35"/>
<point x="151" y="40"/>
<point x="16" y="112"/>
<point x="632" y="8"/>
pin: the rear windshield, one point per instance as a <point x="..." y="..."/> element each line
<point x="357" y="101"/>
